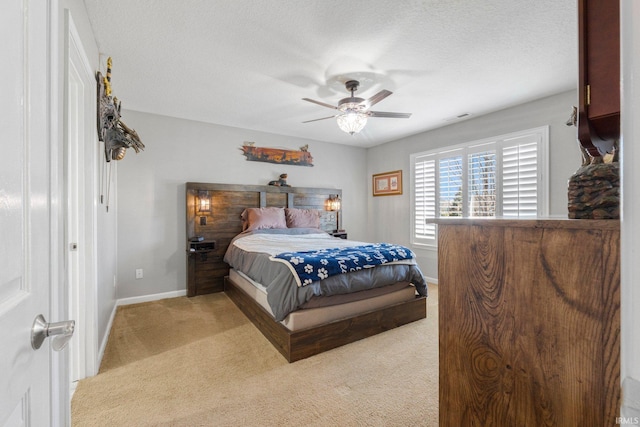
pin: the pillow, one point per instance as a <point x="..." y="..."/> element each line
<point x="257" y="218"/>
<point x="302" y="218"/>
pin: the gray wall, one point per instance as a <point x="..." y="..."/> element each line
<point x="151" y="189"/>
<point x="389" y="217"/>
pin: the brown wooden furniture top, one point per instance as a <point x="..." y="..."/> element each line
<point x="577" y="224"/>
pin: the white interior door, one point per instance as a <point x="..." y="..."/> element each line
<point x="26" y="278"/>
<point x="81" y="146"/>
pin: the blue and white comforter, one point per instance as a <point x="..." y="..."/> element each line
<point x="310" y="266"/>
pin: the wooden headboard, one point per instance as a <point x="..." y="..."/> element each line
<point x="227" y="201"/>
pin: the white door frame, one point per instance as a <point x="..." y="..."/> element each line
<point x="80" y="184"/>
<point x="629" y="230"/>
<point x="59" y="396"/>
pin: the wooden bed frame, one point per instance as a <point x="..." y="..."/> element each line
<point x="296" y="345"/>
<point x="227" y="203"/>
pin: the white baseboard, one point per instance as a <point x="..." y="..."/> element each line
<point x="433" y="280"/>
<point x="128" y="301"/>
<point x="72" y="387"/>
<point x="152" y="297"/>
<point x="105" y="337"/>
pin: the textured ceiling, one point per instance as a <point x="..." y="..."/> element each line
<point x="249" y="63"/>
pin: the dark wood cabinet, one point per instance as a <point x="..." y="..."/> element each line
<point x="599" y="74"/>
<point x="205" y="268"/>
<point x="529" y="322"/>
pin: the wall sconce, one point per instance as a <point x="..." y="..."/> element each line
<point x="334" y="204"/>
<point x="204" y="201"/>
<point x="203" y="205"/>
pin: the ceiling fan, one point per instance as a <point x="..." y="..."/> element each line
<point x="353" y="112"/>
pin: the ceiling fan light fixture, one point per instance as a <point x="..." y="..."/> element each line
<point x="353" y="112"/>
<point x="353" y="118"/>
<point x="352" y="122"/>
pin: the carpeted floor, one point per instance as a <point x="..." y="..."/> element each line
<point x="200" y="362"/>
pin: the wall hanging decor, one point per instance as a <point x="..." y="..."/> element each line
<point x="301" y="157"/>
<point x="117" y="136"/>
<point x="112" y="131"/>
<point x="387" y="183"/>
<point x="281" y="181"/>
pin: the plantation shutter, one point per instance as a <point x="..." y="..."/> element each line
<point x="482" y="184"/>
<point x="450" y="185"/>
<point x="520" y="178"/>
<point x="505" y="176"/>
<point x="425" y="198"/>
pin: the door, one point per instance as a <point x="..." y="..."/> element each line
<point x="80" y="153"/>
<point x="27" y="218"/>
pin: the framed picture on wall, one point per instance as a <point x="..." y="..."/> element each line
<point x="387" y="183"/>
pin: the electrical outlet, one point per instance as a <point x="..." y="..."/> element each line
<point x="139" y="273"/>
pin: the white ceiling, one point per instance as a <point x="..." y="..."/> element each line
<point x="249" y="63"/>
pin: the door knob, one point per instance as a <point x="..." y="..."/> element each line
<point x="41" y="330"/>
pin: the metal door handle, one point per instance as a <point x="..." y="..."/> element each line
<point x="41" y="330"/>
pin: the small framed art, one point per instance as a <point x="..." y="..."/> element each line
<point x="387" y="183"/>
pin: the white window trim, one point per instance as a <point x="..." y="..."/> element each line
<point x="541" y="132"/>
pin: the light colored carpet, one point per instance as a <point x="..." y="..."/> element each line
<point x="200" y="362"/>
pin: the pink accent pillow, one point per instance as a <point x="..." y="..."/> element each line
<point x="257" y="218"/>
<point x="302" y="218"/>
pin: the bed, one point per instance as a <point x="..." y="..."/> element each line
<point x="302" y="316"/>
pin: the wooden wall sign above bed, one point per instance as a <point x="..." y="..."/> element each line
<point x="281" y="156"/>
<point x="213" y="214"/>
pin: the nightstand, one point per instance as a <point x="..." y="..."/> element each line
<point x="202" y="247"/>
<point x="340" y="233"/>
<point x="205" y="268"/>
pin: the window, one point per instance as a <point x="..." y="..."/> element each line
<point x="499" y="177"/>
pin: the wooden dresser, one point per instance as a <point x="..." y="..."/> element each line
<point x="529" y="322"/>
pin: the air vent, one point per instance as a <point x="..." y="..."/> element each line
<point x="458" y="117"/>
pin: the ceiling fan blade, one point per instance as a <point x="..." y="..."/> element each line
<point x="321" y="103"/>
<point x="376" y="98"/>
<point x="315" y="120"/>
<point x="390" y="115"/>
